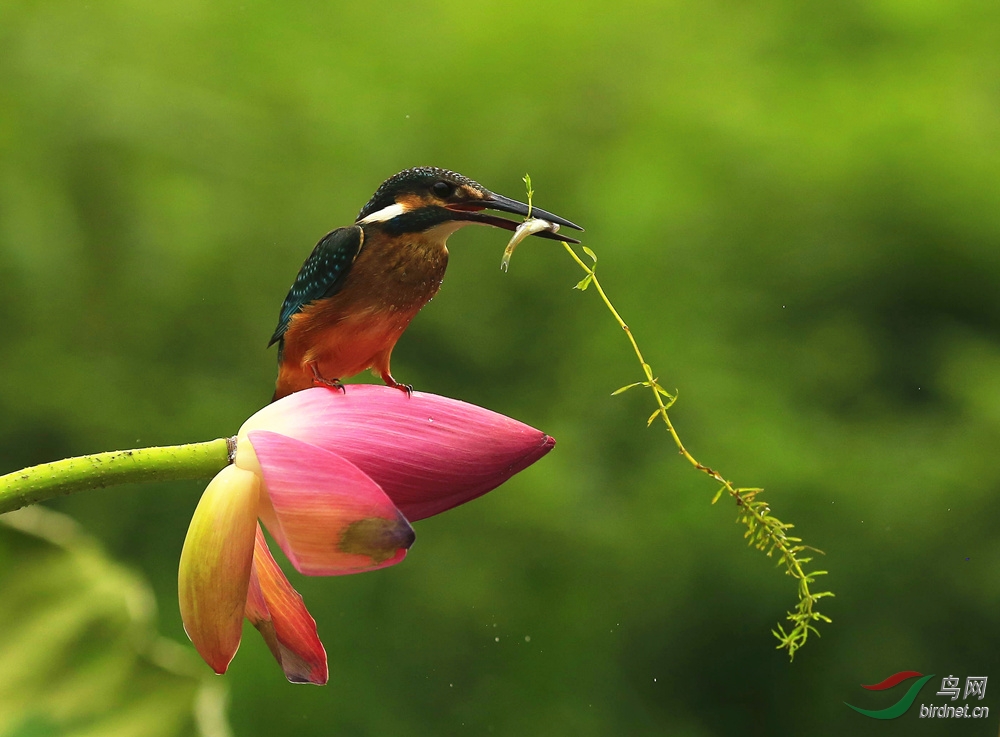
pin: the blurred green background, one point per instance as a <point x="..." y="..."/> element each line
<point x="796" y="208"/>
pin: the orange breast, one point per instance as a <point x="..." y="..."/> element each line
<point x="356" y="329"/>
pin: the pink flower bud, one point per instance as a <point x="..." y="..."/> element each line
<point x="334" y="478"/>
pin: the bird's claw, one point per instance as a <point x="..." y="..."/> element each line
<point x="328" y="383"/>
<point x="391" y="382"/>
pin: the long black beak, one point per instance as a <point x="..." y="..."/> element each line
<point x="505" y="204"/>
<point x="499" y="202"/>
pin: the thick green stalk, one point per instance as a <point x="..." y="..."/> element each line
<point x="169" y="463"/>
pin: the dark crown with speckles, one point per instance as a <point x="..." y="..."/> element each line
<point x="417" y="179"/>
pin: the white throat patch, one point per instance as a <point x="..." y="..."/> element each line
<point x="386" y="213"/>
<point x="445" y="229"/>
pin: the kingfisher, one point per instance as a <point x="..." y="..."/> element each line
<point x="363" y="284"/>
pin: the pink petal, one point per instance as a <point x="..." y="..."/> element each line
<point x="327" y="515"/>
<point x="277" y="611"/>
<point x="428" y="453"/>
<point x="214" y="570"/>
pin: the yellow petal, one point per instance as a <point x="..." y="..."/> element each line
<point x="215" y="565"/>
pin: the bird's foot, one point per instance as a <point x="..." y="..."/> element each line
<point x="328" y="383"/>
<point x="405" y="388"/>
<point x="391" y="382"/>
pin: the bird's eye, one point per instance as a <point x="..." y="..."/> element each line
<point x="443" y="189"/>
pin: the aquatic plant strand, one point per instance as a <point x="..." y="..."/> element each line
<point x="764" y="531"/>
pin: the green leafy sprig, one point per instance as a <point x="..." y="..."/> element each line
<point x="764" y="531"/>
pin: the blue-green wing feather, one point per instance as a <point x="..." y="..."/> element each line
<point x="322" y="275"/>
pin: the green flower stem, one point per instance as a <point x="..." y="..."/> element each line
<point x="100" y="470"/>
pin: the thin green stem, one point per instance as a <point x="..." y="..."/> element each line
<point x="100" y="470"/>
<point x="764" y="531"/>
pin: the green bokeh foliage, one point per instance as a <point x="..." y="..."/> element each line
<point x="796" y="209"/>
<point x="80" y="653"/>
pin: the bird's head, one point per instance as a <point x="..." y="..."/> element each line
<point x="427" y="198"/>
